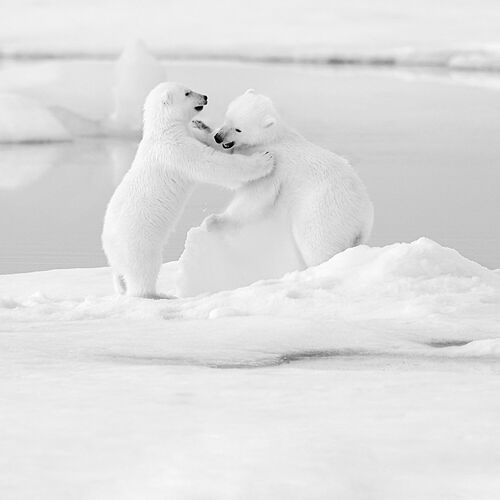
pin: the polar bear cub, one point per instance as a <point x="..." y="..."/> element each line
<point x="169" y="161"/>
<point x="327" y="204"/>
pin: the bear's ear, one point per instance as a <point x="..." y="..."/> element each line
<point x="268" y="121"/>
<point x="250" y="91"/>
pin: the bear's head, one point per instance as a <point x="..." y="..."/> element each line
<point x="171" y="102"/>
<point x="251" y="120"/>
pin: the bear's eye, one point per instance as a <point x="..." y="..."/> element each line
<point x="187" y="93"/>
<point x="237" y="130"/>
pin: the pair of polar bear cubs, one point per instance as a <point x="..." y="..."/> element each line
<point x="327" y="204"/>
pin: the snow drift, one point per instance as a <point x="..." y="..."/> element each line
<point x="399" y="297"/>
<point x="400" y="281"/>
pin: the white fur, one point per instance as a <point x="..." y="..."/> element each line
<point x="147" y="204"/>
<point x="327" y="204"/>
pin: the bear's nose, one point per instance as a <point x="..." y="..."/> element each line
<point x="218" y="137"/>
<point x="205" y="97"/>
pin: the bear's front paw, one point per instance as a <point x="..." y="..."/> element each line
<point x="266" y="162"/>
<point x="201" y="126"/>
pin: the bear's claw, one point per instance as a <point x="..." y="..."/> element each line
<point x="200" y="125"/>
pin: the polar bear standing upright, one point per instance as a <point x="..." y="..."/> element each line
<point x="328" y="206"/>
<point x="147" y="204"/>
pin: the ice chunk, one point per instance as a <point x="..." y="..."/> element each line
<point x="226" y="259"/>
<point x="24" y="120"/>
<point x="136" y="72"/>
<point x="80" y="87"/>
<point x="91" y="97"/>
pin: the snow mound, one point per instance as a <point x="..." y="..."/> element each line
<point x="24" y="120"/>
<point x="399" y="281"/>
<point x="420" y="282"/>
<point x="136" y="72"/>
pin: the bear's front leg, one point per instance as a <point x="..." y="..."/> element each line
<point x="203" y="133"/>
<point x="198" y="124"/>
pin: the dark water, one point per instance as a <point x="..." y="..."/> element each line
<point x="428" y="152"/>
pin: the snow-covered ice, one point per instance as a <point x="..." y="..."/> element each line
<point x="431" y="294"/>
<point x="376" y="370"/>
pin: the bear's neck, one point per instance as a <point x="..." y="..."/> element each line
<point x="280" y="132"/>
<point x="166" y="130"/>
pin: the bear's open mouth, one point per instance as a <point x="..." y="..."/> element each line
<point x="198" y="108"/>
<point x="228" y="145"/>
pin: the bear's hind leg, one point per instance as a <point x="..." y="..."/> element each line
<point x="328" y="223"/>
<point x="314" y="246"/>
<point x="141" y="280"/>
<point x="320" y="236"/>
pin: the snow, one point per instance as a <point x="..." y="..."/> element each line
<point x="24" y="120"/>
<point x="373" y="371"/>
<point x="440" y="294"/>
<point x="374" y="375"/>
<point x="376" y="370"/>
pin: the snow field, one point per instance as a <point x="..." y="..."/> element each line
<point x="418" y="298"/>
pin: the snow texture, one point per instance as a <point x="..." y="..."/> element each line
<point x="421" y="286"/>
<point x="376" y="370"/>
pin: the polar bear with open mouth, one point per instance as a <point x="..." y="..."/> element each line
<point x="311" y="207"/>
<point x="146" y="205"/>
<point x="327" y="203"/>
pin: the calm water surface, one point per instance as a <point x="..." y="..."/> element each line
<point x="428" y="152"/>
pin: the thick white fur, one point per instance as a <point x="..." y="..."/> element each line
<point x="327" y="204"/>
<point x="147" y="204"/>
